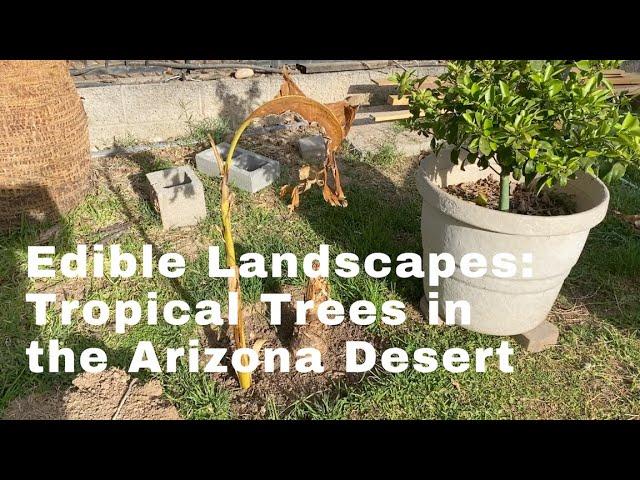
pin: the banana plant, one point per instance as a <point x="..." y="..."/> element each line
<point x="335" y="119"/>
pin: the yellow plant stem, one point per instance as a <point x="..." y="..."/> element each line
<point x="234" y="282"/>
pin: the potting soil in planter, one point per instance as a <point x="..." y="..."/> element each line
<point x="486" y="192"/>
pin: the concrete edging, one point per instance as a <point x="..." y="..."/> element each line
<point x="155" y="112"/>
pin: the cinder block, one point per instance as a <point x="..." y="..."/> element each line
<point x="312" y="148"/>
<point x="250" y="171"/>
<point x="543" y="336"/>
<point x="178" y="195"/>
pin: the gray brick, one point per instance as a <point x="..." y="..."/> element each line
<point x="250" y="171"/>
<point x="178" y="195"/>
<point x="312" y="148"/>
<point x="543" y="336"/>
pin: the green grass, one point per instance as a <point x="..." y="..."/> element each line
<point x="128" y="141"/>
<point x="385" y="155"/>
<point x="592" y="373"/>
<point x="199" y="130"/>
<point x="399" y="126"/>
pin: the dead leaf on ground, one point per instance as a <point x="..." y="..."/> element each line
<point x="633" y="220"/>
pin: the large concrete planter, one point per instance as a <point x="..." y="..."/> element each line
<point x="503" y="306"/>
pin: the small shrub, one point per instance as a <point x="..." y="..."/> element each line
<point x="543" y="120"/>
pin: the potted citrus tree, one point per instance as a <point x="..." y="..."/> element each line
<point x="542" y="134"/>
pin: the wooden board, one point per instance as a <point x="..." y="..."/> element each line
<point x="396" y="100"/>
<point x="320" y="67"/>
<point x="628" y="90"/>
<point x="391" y="116"/>
<point x="383" y="82"/>
<point x="628" y="79"/>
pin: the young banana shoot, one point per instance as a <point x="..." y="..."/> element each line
<point x="226" y="204"/>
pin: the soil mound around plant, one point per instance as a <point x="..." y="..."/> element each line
<point x="107" y="395"/>
<point x="282" y="388"/>
<point x="523" y="200"/>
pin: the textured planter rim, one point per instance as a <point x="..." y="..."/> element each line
<point x="514" y="223"/>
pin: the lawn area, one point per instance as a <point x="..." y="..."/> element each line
<point x="594" y="372"/>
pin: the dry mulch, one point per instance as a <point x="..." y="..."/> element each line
<point x="523" y="200"/>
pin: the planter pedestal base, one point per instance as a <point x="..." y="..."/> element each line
<point x="543" y="336"/>
<point x="424" y="309"/>
<point x="540" y="338"/>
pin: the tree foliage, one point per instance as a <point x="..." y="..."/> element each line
<point x="545" y="119"/>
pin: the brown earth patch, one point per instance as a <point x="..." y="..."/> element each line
<point x="284" y="388"/>
<point x="97" y="396"/>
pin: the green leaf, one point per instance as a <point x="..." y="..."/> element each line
<point x="529" y="167"/>
<point x="588" y="86"/>
<point x="584" y="64"/>
<point x="555" y="86"/>
<point x="467" y="116"/>
<point x="537" y="65"/>
<point x="481" y="200"/>
<point x="517" y="174"/>
<point x="517" y="120"/>
<point x="454" y="156"/>
<point x="544" y="181"/>
<point x="627" y="140"/>
<point x="616" y="173"/>
<point x="485" y="146"/>
<point x="489" y="95"/>
<point x="533" y="152"/>
<point x="504" y="89"/>
<point x="629" y="121"/>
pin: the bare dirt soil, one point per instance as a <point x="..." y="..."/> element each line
<point x="280" y="387"/>
<point x="108" y="395"/>
<point x="523" y="200"/>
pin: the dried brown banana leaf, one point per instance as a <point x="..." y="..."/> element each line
<point x="313" y="333"/>
<point x="335" y="118"/>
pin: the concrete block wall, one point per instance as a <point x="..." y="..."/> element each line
<point x="160" y="111"/>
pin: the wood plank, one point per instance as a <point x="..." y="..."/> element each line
<point x="628" y="90"/>
<point x="383" y="82"/>
<point x="391" y="116"/>
<point x="396" y="100"/>
<point x="628" y="79"/>
<point x="321" y="67"/>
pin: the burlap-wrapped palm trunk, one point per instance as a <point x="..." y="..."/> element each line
<point x="44" y="142"/>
